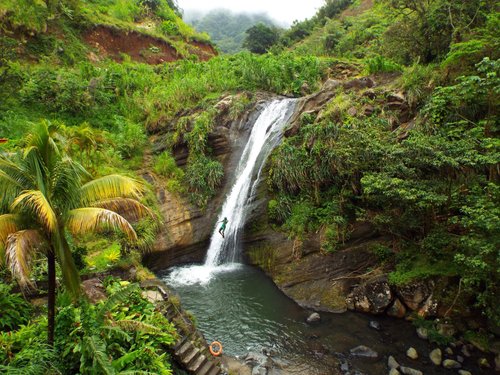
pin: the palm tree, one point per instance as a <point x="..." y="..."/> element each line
<point x="44" y="197"/>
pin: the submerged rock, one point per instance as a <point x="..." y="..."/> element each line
<point x="313" y="318"/>
<point x="364" y="351"/>
<point x="375" y="325"/>
<point x="436" y="356"/>
<point x="393" y="371"/>
<point x="464" y="372"/>
<point x="412" y="353"/>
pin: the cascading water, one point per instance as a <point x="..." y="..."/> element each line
<point x="224" y="252"/>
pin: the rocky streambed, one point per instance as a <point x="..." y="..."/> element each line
<point x="267" y="333"/>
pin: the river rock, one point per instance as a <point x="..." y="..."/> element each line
<point x="429" y="308"/>
<point x="397" y="309"/>
<point x="448" y="351"/>
<point x="451" y="363"/>
<point x="423" y="333"/>
<point x="393" y="371"/>
<point x="460" y="359"/>
<point x="410" y="371"/>
<point x="483" y="362"/>
<point x="331" y="84"/>
<point x="465" y="351"/>
<point x="375" y="325"/>
<point x="364" y="351"/>
<point x="259" y="370"/>
<point x="255" y="359"/>
<point x="313" y="318"/>
<point x="464" y="372"/>
<point x="94" y="290"/>
<point x="392" y="363"/>
<point x="436" y="356"/>
<point x="412" y="353"/>
<point x="372" y="297"/>
<point x="414" y="294"/>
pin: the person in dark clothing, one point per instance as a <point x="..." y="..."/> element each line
<point x="223" y="227"/>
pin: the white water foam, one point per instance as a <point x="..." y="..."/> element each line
<point x="223" y="253"/>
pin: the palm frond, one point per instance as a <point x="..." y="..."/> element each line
<point x="9" y="223"/>
<point x="36" y="201"/>
<point x="90" y="219"/>
<point x="112" y="186"/>
<point x="66" y="182"/>
<point x="130" y="209"/>
<point x="71" y="277"/>
<point x="13" y="180"/>
<point x="19" y="251"/>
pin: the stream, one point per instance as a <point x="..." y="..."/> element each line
<point x="243" y="309"/>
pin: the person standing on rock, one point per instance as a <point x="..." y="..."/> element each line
<point x="223" y="227"/>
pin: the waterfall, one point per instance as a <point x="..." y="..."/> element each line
<point x="266" y="134"/>
<point x="224" y="252"/>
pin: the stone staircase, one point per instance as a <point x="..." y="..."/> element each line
<point x="190" y="351"/>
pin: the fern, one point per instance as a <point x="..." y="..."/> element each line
<point x="115" y="299"/>
<point x="94" y="357"/>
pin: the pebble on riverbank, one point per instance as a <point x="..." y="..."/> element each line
<point x="410" y="371"/>
<point x="412" y="353"/>
<point x="451" y="363"/>
<point x="392" y="363"/>
<point x="436" y="356"/>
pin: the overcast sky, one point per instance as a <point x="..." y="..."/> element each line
<point x="284" y="11"/>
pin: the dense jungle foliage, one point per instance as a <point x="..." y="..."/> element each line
<point x="429" y="182"/>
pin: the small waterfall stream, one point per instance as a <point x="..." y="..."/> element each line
<point x="266" y="134"/>
<point x="223" y="253"/>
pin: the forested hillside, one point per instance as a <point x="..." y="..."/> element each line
<point x="227" y="29"/>
<point x="99" y="96"/>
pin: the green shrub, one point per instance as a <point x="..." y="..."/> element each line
<point x="166" y="166"/>
<point x="15" y="309"/>
<point x="129" y="138"/>
<point x="380" y="64"/>
<point x="203" y="176"/>
<point x="418" y="81"/>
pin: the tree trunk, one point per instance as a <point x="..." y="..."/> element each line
<point x="51" y="260"/>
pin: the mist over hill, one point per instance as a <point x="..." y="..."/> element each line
<point x="226" y="28"/>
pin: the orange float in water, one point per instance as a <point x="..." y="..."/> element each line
<point x="215" y="352"/>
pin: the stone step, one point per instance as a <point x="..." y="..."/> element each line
<point x="191" y="355"/>
<point x="185" y="348"/>
<point x="206" y="368"/>
<point x="214" y="371"/>
<point x="197" y="363"/>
